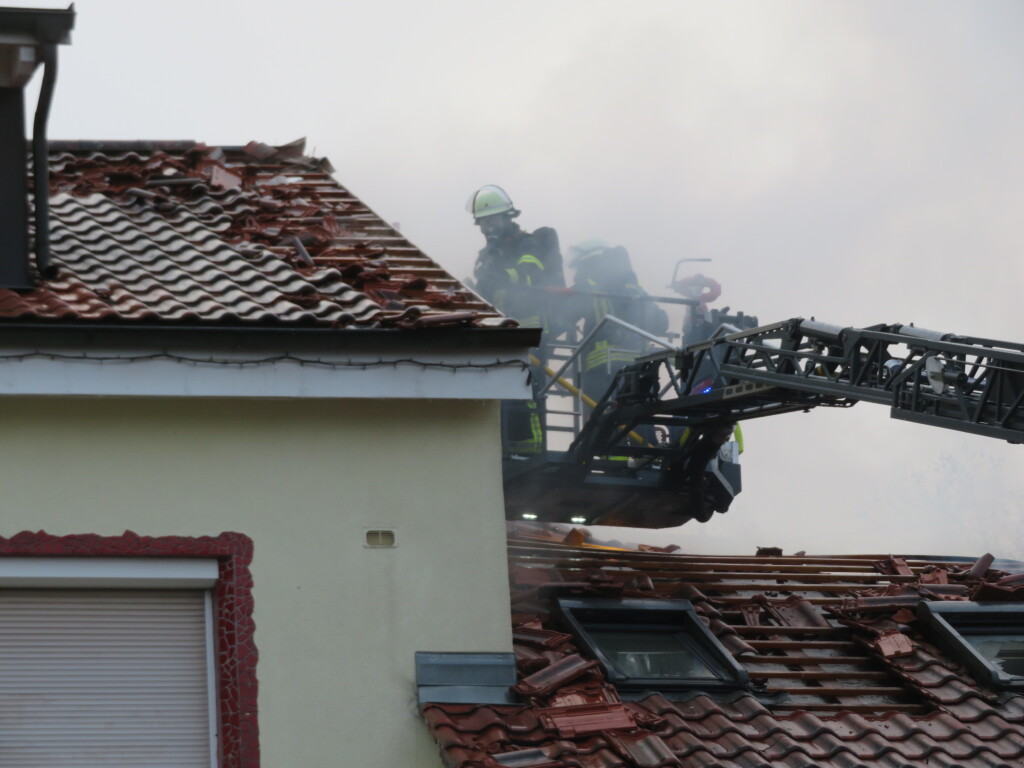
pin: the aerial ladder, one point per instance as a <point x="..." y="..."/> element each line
<point x="662" y="445"/>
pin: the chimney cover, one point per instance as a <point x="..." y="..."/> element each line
<point x="36" y="26"/>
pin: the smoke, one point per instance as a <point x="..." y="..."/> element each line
<point x="858" y="162"/>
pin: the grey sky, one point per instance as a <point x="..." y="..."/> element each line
<point x="860" y="162"/>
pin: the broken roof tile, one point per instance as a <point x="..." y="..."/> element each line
<point x="559" y="673"/>
<point x="185" y="234"/>
<point x="586" y="719"/>
<point x="851" y="680"/>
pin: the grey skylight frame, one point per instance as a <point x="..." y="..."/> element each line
<point x="944" y="621"/>
<point x="638" y="615"/>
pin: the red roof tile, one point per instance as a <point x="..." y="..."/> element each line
<point x="180" y="233"/>
<point x="586" y="719"/>
<point x="842" y="675"/>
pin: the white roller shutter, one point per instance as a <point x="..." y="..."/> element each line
<point x="104" y="678"/>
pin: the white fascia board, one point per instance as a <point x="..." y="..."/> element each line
<point x="107" y="573"/>
<point x="415" y="374"/>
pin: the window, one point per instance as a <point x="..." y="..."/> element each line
<point x="987" y="638"/>
<point x="651" y="644"/>
<point x="654" y="653"/>
<point x="127" y="651"/>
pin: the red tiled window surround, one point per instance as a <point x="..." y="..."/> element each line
<point x="233" y="607"/>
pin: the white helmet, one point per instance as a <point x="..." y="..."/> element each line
<point x="490" y="200"/>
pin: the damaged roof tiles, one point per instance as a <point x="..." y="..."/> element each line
<point x="185" y="234"/>
<point x="842" y="674"/>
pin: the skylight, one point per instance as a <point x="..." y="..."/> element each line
<point x="654" y="653"/>
<point x="1004" y="651"/>
<point x="651" y="644"/>
<point x="987" y="638"/>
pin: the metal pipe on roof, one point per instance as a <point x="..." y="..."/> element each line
<point x="40" y="162"/>
<point x="14" y="272"/>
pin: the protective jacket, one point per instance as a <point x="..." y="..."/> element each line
<point x="508" y="274"/>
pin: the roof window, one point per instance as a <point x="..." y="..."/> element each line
<point x="651" y="644"/>
<point x="987" y="638"/>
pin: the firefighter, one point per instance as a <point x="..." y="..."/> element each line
<point x="512" y="271"/>
<point x="514" y="267"/>
<point x="604" y="284"/>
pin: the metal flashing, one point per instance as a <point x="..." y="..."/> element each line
<point x="465" y="677"/>
<point x="465" y="694"/>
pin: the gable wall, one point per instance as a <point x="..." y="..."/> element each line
<point x="336" y="623"/>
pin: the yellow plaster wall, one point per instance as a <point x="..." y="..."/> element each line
<point x="337" y="624"/>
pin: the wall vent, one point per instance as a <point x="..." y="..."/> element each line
<point x="380" y="537"/>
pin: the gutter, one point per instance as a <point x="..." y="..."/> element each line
<point x="235" y="338"/>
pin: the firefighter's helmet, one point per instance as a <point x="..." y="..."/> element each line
<point x="490" y="200"/>
<point x="586" y="250"/>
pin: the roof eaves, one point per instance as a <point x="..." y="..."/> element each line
<point x="253" y="337"/>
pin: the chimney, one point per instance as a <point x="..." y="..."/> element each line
<point x="28" y="36"/>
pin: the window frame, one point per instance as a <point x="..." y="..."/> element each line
<point x="231" y="608"/>
<point x="945" y="621"/>
<point x="579" y="615"/>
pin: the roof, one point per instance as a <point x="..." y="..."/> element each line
<point x="159" y="233"/>
<point x="841" y="673"/>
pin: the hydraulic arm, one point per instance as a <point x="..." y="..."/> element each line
<point x="683" y="405"/>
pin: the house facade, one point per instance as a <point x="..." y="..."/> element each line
<point x="251" y="465"/>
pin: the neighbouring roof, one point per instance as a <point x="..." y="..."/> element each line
<point x="842" y="673"/>
<point x="181" y="233"/>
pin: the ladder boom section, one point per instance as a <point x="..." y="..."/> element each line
<point x="958" y="382"/>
